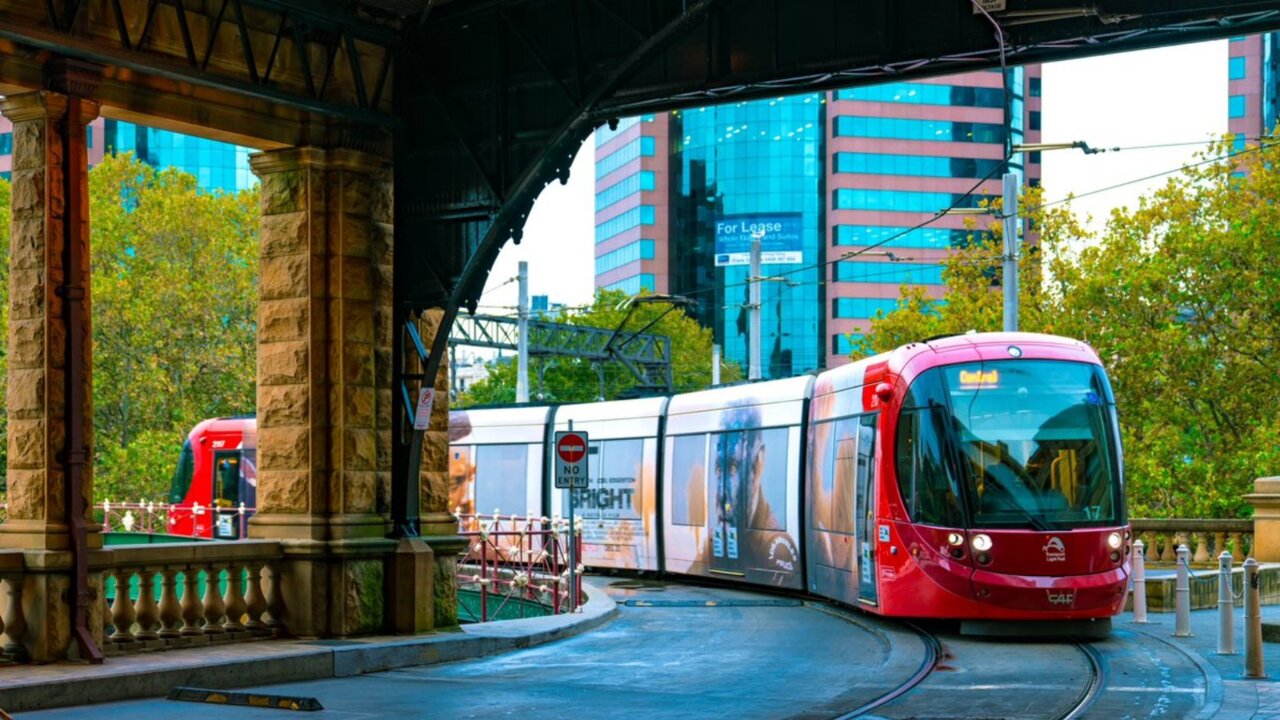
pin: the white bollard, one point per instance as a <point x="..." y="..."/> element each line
<point x="1139" y="582"/>
<point x="1226" y="607"/>
<point x="1182" y="595"/>
<point x="1253" y="665"/>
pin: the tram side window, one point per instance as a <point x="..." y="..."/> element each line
<point x="689" y="480"/>
<point x="924" y="477"/>
<point x="501" y="474"/>
<point x="183" y="475"/>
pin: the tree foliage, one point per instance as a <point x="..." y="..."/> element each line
<point x="174" y="298"/>
<point x="1181" y="299"/>
<point x="575" y="380"/>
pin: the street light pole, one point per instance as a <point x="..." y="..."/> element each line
<point x="1011" y="248"/>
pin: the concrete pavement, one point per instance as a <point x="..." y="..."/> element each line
<point x="682" y="651"/>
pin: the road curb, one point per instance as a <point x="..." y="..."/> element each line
<point x="268" y="663"/>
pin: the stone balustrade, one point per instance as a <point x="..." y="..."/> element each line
<point x="190" y="593"/>
<point x="157" y="597"/>
<point x="12" y="621"/>
<point x="1205" y="538"/>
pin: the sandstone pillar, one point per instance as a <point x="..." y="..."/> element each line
<point x="1266" y="519"/>
<point x="324" y="217"/>
<point x="49" y="157"/>
<point x="439" y="526"/>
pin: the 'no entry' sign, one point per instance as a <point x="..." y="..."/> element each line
<point x="571" y="459"/>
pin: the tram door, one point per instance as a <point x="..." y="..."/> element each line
<point x="865" y="510"/>
<point x="226" y="495"/>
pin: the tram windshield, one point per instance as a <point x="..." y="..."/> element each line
<point x="1026" y="444"/>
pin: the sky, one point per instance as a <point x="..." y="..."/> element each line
<point x="1168" y="95"/>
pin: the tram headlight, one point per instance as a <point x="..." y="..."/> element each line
<point x="955" y="539"/>
<point x="981" y="542"/>
<point x="1114" y="540"/>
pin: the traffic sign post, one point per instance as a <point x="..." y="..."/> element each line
<point x="571" y="474"/>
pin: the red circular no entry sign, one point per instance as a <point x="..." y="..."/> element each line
<point x="571" y="448"/>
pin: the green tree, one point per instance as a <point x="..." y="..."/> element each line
<point x="574" y="380"/>
<point x="1181" y="299"/>
<point x="174" y="317"/>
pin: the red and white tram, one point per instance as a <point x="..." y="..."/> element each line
<point x="976" y="477"/>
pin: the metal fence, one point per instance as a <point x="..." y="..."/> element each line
<point x="518" y="566"/>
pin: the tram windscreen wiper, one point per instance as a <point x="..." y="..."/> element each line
<point x="994" y="480"/>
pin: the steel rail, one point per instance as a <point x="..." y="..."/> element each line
<point x="1092" y="691"/>
<point x="929" y="663"/>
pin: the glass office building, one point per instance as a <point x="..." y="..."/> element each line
<point x="832" y="181"/>
<point x="217" y="166"/>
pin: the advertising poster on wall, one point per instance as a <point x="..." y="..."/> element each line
<point x="780" y="238"/>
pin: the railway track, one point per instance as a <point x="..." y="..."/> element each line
<point x="958" y="676"/>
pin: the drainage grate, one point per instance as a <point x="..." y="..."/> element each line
<point x="713" y="603"/>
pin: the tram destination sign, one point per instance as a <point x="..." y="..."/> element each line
<point x="571" y="460"/>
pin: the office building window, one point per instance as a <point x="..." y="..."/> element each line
<point x="624" y="188"/>
<point x="900" y="200"/>
<point x="1034" y="89"/>
<point x="843" y="343"/>
<point x="6" y="143"/>
<point x="635" y="217"/>
<point x="914" y="165"/>
<point x="862" y="307"/>
<point x="1033" y="120"/>
<point x="901" y="237"/>
<point x="640" y="147"/>
<point x="634" y="284"/>
<point x="1235" y="106"/>
<point x="923" y="94"/>
<point x="1235" y="68"/>
<point x="896" y="273"/>
<point x="629" y="253"/>
<point x="912" y="129"/>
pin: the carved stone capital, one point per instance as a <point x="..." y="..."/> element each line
<point x="271" y="162"/>
<point x="39" y="105"/>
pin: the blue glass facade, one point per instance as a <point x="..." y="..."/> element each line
<point x="857" y="167"/>
<point x="762" y="158"/>
<point x="216" y="165"/>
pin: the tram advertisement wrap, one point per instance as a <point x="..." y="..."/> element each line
<point x="742" y="470"/>
<point x="616" y="511"/>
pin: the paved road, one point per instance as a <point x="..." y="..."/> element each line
<point x="669" y="655"/>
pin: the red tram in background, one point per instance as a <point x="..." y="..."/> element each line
<point x="216" y="479"/>
<point x="975" y="477"/>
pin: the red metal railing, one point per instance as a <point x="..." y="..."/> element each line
<point x="519" y="559"/>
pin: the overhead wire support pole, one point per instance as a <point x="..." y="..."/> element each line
<point x="522" y="358"/>
<point x="1011" y="247"/>
<point x="753" y="313"/>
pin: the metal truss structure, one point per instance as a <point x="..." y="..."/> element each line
<point x="646" y="356"/>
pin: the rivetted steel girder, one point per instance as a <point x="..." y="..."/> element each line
<point x="320" y="60"/>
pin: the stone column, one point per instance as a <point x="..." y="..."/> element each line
<point x="38" y="358"/>
<point x="1266" y="519"/>
<point x="317" y="403"/>
<point x="439" y="525"/>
